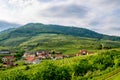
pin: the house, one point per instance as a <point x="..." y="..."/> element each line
<point x="82" y="52"/>
<point x="8" y="61"/>
<point x="32" y="60"/>
<point x="50" y="56"/>
<point x="36" y="61"/>
<point x="44" y="54"/>
<point x="4" y="52"/>
<point x="58" y="56"/>
<point x="26" y="54"/>
<point x="40" y="52"/>
<point x="59" y="53"/>
<point x="65" y="56"/>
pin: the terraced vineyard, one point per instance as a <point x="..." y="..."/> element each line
<point x="64" y="43"/>
<point x="75" y="68"/>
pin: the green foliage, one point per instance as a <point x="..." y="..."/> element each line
<point x="32" y="37"/>
<point x="103" y="59"/>
<point x="76" y="68"/>
<point x="27" y="67"/>
<point x="0" y="59"/>
<point x="14" y="75"/>
<point x="48" y="72"/>
<point x="63" y="43"/>
<point x="63" y="73"/>
<point x="19" y="54"/>
<point x="82" y="68"/>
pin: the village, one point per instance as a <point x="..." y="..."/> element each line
<point x="36" y="57"/>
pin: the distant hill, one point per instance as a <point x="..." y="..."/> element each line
<point x="33" y="29"/>
<point x="7" y="25"/>
<point x="40" y="36"/>
<point x="7" y="30"/>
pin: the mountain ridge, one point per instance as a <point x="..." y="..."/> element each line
<point x="33" y="29"/>
<point x="4" y="25"/>
<point x="36" y="36"/>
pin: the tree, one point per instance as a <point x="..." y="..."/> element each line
<point x="101" y="46"/>
<point x="19" y="54"/>
<point x="82" y="67"/>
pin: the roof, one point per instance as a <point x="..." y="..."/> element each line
<point x="31" y="59"/>
<point x="83" y="51"/>
<point x="35" y="60"/>
<point x="4" y="51"/>
<point x="58" y="52"/>
<point x="28" y="54"/>
<point x="9" y="57"/>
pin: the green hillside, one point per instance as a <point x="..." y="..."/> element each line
<point x="68" y="40"/>
<point x="90" y="67"/>
<point x="35" y="36"/>
<point x="58" y="42"/>
<point x="33" y="29"/>
<point x="67" y="44"/>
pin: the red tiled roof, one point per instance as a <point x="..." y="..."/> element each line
<point x="30" y="58"/>
<point x="35" y="60"/>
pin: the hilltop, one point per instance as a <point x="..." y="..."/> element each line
<point x="40" y="36"/>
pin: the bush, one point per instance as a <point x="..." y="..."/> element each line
<point x="77" y="68"/>
<point x="14" y="75"/>
<point x="63" y="73"/>
<point x="82" y="68"/>
<point x="103" y="60"/>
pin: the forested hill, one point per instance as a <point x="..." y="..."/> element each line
<point x="33" y="29"/>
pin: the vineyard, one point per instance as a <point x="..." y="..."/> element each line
<point x="89" y="67"/>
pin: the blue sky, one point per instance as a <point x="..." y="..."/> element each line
<point x="99" y="15"/>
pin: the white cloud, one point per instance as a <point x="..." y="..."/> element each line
<point x="99" y="15"/>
